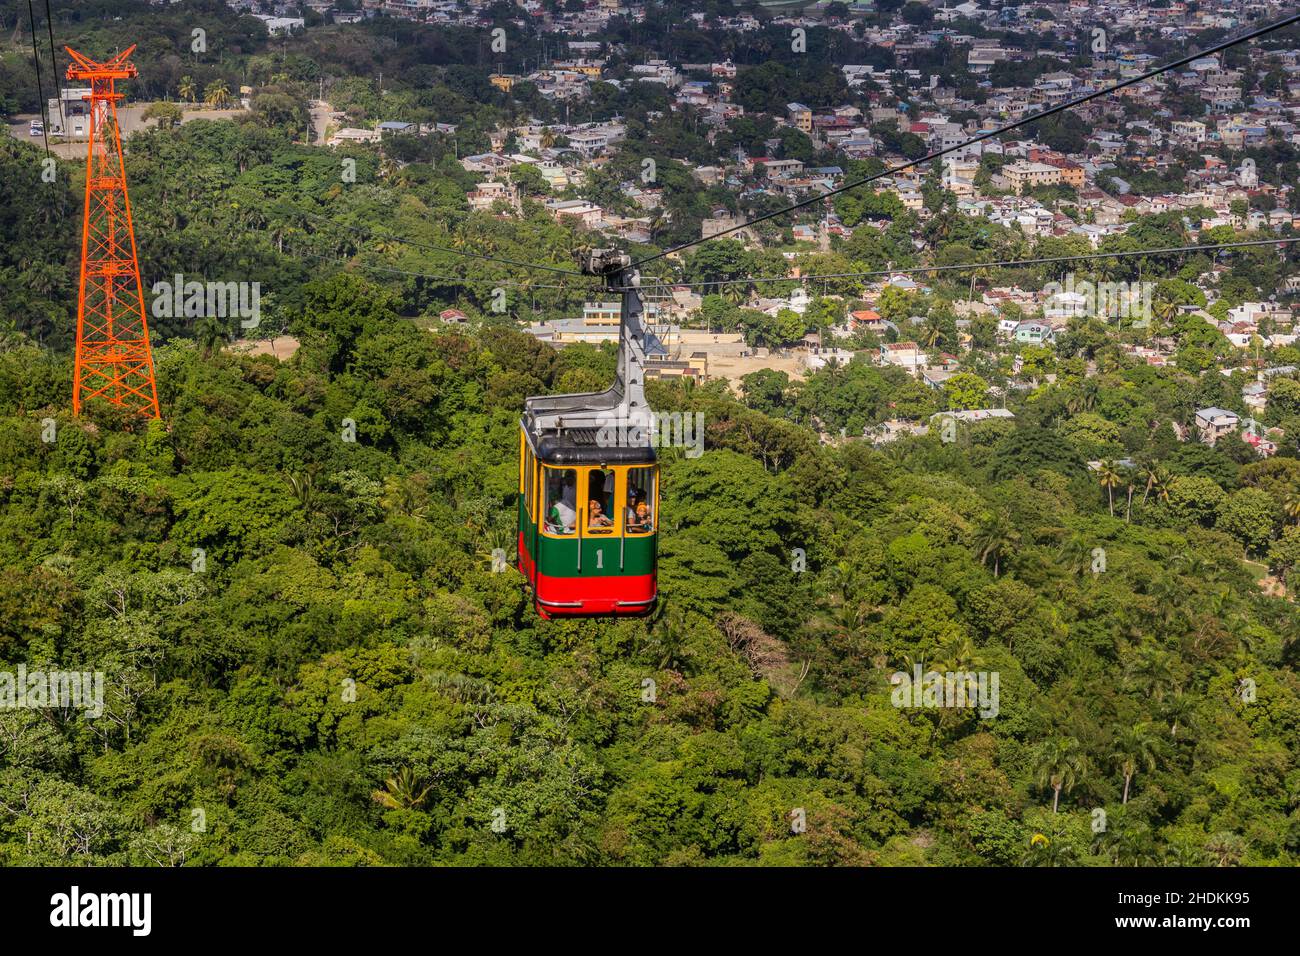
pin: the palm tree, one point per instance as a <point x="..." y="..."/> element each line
<point x="495" y="544"/>
<point x="1164" y="314"/>
<point x="10" y="335"/>
<point x="1291" y="506"/>
<point x="243" y="155"/>
<point x="1151" y="669"/>
<point x="995" y="537"/>
<point x="1164" y="482"/>
<point x="303" y="486"/>
<point x="1083" y="398"/>
<point x="41" y="277"/>
<point x="1180" y="854"/>
<point x="211" y="334"/>
<point x="667" y="642"/>
<point x="980" y="273"/>
<point x="1226" y="848"/>
<point x="844" y="617"/>
<point x="932" y="334"/>
<point x="1135" y="749"/>
<point x="400" y="791"/>
<point x="1074" y="554"/>
<point x="1157" y="479"/>
<point x="1108" y="476"/>
<point x="406" y="496"/>
<point x="735" y="293"/>
<point x="187" y="90"/>
<point x="1193" y="564"/>
<point x="1180" y="709"/>
<point x="1049" y="850"/>
<point x="216" y="93"/>
<point x="1129" y="844"/>
<point x="1060" y="763"/>
<point x="1215" y="621"/>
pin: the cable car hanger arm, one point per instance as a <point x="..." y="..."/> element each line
<point x="623" y="404"/>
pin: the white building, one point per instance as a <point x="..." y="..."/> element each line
<point x="69" y="113"/>
<point x="588" y="213"/>
<point x="907" y="355"/>
<point x="281" y="26"/>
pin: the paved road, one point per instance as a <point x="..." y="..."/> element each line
<point x="128" y="116"/>
<point x="321" y="113"/>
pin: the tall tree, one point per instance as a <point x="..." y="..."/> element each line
<point x="1134" y="750"/>
<point x="1060" y="763"/>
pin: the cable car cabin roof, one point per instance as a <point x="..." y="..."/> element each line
<point x="580" y="446"/>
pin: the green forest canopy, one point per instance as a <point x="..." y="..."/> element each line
<point x="330" y="562"/>
<point x="347" y="681"/>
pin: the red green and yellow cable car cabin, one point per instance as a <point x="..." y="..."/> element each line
<point x="589" y="482"/>
<point x="587" y="525"/>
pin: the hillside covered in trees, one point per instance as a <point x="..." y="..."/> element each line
<point x="329" y="561"/>
<point x="344" y="678"/>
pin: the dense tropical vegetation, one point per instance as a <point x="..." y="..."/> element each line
<point x="329" y="562"/>
<point x="344" y="679"/>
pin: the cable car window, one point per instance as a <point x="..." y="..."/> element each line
<point x="639" y="516"/>
<point x="600" y="501"/>
<point x="526" y="479"/>
<point x="561" y="500"/>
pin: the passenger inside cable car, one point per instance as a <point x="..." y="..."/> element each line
<point x="561" y="492"/>
<point x="597" y="521"/>
<point x="600" y="507"/>
<point x="639" y="518"/>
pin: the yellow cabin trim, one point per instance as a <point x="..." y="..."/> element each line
<point x="616" y="500"/>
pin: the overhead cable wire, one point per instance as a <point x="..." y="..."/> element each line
<point x="988" y="134"/>
<point x="962" y="266"/>
<point x="40" y="89"/>
<point x="54" y="67"/>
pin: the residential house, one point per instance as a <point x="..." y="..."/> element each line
<point x="1034" y="333"/>
<point x="351" y="135"/>
<point x="906" y="355"/>
<point x="1023" y="176"/>
<point x="800" y="117"/>
<point x="587" y="213"/>
<point x="486" y="195"/>
<point x="1213" y="423"/>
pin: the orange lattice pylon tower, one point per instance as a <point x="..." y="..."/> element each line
<point x="113" y="359"/>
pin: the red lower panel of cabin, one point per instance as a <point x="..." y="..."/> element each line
<point x="526" y="563"/>
<point x="633" y="594"/>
